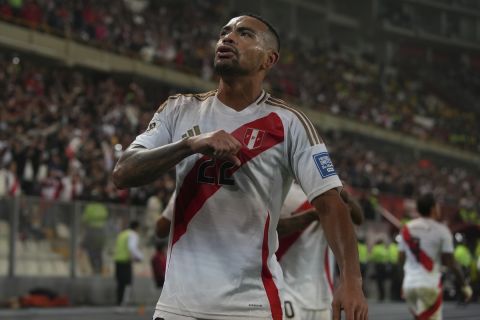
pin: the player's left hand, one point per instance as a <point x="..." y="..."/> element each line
<point x="467" y="293"/>
<point x="349" y="297"/>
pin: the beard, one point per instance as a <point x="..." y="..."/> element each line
<point x="229" y="69"/>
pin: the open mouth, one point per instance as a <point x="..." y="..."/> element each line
<point x="225" y="52"/>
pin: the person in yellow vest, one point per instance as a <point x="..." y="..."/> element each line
<point x="363" y="259"/>
<point x="95" y="216"/>
<point x="379" y="257"/>
<point x="476" y="284"/>
<point x="126" y="251"/>
<point x="469" y="215"/>
<point x="395" y="271"/>
<point x="462" y="255"/>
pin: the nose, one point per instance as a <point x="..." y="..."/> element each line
<point x="229" y="38"/>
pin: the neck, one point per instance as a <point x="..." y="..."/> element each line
<point x="240" y="92"/>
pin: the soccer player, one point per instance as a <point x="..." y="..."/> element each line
<point x="305" y="258"/>
<point x="236" y="150"/>
<point x="425" y="245"/>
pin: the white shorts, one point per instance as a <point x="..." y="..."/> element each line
<point x="425" y="302"/>
<point x="292" y="311"/>
<point x="162" y="315"/>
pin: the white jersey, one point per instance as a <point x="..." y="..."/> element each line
<point x="424" y="240"/>
<point x="221" y="259"/>
<point x="305" y="258"/>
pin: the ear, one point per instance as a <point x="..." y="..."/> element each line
<point x="271" y="59"/>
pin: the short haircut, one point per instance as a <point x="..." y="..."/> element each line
<point x="425" y="203"/>
<point x="269" y="26"/>
<point x="134" y="224"/>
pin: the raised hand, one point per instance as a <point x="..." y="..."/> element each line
<point x="218" y="144"/>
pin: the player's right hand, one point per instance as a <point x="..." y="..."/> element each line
<point x="218" y="144"/>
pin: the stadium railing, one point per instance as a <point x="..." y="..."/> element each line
<point x="40" y="238"/>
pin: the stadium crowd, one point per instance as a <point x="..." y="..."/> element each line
<point x="62" y="130"/>
<point x="352" y="85"/>
<point x="403" y="14"/>
<point x="60" y="137"/>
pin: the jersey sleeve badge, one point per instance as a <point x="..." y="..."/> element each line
<point x="324" y="164"/>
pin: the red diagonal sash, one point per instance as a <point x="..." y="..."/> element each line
<point x="193" y="195"/>
<point x="414" y="247"/>
<point x="267" y="278"/>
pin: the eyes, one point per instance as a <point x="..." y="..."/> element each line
<point x="242" y="33"/>
<point x="246" y="34"/>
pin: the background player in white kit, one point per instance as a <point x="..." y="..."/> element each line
<point x="236" y="150"/>
<point x="425" y="245"/>
<point x="307" y="263"/>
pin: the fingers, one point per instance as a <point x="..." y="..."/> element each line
<point x="361" y="314"/>
<point x="223" y="145"/>
<point x="349" y="314"/>
<point x="235" y="160"/>
<point x="336" y="310"/>
<point x="358" y="312"/>
<point x="352" y="302"/>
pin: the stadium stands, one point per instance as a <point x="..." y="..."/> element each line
<point x="80" y="148"/>
<point x="350" y="85"/>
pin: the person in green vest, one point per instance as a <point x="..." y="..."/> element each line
<point x="463" y="256"/>
<point x="379" y="258"/>
<point x="363" y="259"/>
<point x="469" y="215"/>
<point x="126" y="251"/>
<point x="94" y="218"/>
<point x="476" y="283"/>
<point x="395" y="271"/>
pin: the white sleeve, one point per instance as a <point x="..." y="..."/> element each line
<point x="447" y="241"/>
<point x="133" y="246"/>
<point x="160" y="129"/>
<point x="169" y="210"/>
<point x="309" y="159"/>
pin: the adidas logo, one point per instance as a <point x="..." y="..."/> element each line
<point x="195" y="131"/>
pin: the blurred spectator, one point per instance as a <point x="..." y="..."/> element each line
<point x="462" y="254"/>
<point x="467" y="212"/>
<point x="363" y="259"/>
<point x="476" y="283"/>
<point x="94" y="218"/>
<point x="32" y="13"/>
<point x="72" y="186"/>
<point x="159" y="263"/>
<point x="395" y="271"/>
<point x="10" y="185"/>
<point x="379" y="258"/>
<point x="16" y="6"/>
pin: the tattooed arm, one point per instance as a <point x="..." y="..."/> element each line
<point x="138" y="165"/>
